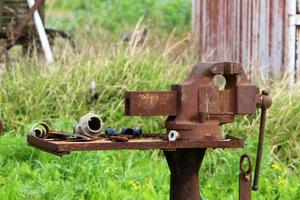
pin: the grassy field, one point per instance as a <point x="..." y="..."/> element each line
<point x="31" y="92"/>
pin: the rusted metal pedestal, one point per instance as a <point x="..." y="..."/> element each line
<point x="184" y="165"/>
<point x="184" y="157"/>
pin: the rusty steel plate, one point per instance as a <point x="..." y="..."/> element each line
<point x="150" y="141"/>
<point x="150" y="103"/>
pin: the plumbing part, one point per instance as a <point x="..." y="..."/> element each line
<point x="42" y="33"/>
<point x="245" y="178"/>
<point x="137" y="131"/>
<point x="110" y="132"/>
<point x="173" y="135"/>
<point x="127" y="131"/>
<point x="39" y="130"/>
<point x="89" y="125"/>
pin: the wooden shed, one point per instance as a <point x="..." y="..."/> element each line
<point x="262" y="34"/>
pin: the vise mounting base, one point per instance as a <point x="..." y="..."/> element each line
<point x="147" y="141"/>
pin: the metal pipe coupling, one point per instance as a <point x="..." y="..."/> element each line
<point x="173" y="135"/>
<point x="137" y="131"/>
<point x="89" y="125"/>
<point x="39" y="130"/>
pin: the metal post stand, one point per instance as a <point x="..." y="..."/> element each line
<point x="184" y="165"/>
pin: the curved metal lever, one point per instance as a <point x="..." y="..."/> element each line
<point x="266" y="102"/>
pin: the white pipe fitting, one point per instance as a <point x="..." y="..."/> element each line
<point x="89" y="125"/>
<point x="173" y="135"/>
<point x="39" y="130"/>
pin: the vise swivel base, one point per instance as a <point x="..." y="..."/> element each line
<point x="195" y="110"/>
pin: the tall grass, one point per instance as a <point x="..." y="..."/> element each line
<point x="31" y="92"/>
<point x="57" y="94"/>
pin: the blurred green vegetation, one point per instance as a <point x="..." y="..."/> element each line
<point x="116" y="16"/>
<point x="31" y="91"/>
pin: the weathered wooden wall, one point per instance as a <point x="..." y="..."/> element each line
<point x="259" y="33"/>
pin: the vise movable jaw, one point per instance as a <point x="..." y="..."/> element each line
<point x="197" y="107"/>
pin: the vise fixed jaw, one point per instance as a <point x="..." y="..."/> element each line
<point x="197" y="107"/>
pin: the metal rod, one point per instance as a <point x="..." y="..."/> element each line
<point x="260" y="148"/>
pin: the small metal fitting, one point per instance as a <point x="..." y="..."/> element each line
<point x="39" y="130"/>
<point x="110" y="132"/>
<point x="89" y="125"/>
<point x="137" y="131"/>
<point x="173" y="135"/>
<point x="127" y="131"/>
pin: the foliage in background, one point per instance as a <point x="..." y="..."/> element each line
<point x="118" y="16"/>
<point x="31" y="92"/>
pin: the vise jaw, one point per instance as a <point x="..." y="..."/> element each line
<point x="197" y="107"/>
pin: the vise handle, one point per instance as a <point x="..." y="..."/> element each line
<point x="266" y="102"/>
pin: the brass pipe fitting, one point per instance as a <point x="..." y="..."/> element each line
<point x="89" y="125"/>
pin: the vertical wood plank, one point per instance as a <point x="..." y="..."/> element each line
<point x="258" y="33"/>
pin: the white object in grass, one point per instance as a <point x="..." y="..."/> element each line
<point x="42" y="33"/>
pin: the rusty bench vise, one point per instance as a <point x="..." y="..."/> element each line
<point x="197" y="107"/>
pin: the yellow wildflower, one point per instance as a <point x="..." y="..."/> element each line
<point x="134" y="185"/>
<point x="281" y="181"/>
<point x="277" y="167"/>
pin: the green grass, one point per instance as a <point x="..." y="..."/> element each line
<point x="31" y="92"/>
<point x="119" y="16"/>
